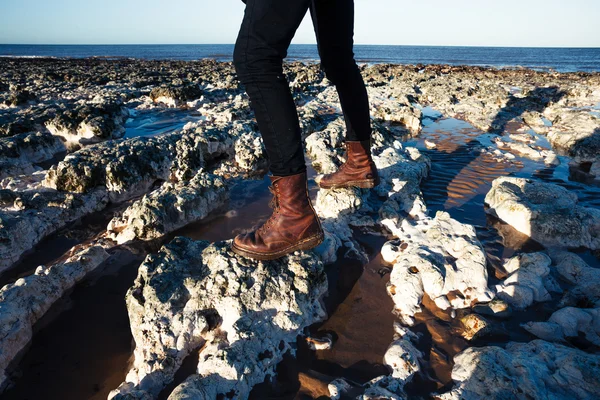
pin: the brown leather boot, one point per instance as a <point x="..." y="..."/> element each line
<point x="358" y="171"/>
<point x="294" y="225"/>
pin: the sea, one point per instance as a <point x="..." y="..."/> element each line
<point x="538" y="58"/>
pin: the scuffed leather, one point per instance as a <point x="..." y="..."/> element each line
<point x="359" y="166"/>
<point x="293" y="218"/>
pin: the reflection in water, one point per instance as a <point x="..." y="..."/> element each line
<point x="160" y="120"/>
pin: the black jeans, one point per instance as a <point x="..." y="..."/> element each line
<point x="262" y="43"/>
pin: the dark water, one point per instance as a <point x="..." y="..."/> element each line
<point x="560" y="59"/>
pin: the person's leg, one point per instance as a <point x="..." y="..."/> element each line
<point x="262" y="43"/>
<point x="333" y="21"/>
<point x="261" y="46"/>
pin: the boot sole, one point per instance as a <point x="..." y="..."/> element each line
<point x="363" y="184"/>
<point x="304" y="244"/>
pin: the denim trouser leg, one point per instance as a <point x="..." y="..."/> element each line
<point x="262" y="43"/>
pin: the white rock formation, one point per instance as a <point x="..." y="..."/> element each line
<point x="534" y="370"/>
<point x="546" y="212"/>
<point x="24" y="302"/>
<point x="585" y="279"/>
<point x="168" y="208"/>
<point x="240" y="314"/>
<point x="439" y="257"/>
<point x="567" y="323"/>
<point x="528" y="280"/>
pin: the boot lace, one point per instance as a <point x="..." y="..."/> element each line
<point x="274" y="204"/>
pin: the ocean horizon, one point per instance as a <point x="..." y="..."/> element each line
<point x="561" y="59"/>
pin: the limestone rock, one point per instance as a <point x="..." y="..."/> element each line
<point x="534" y="370"/>
<point x="437" y="259"/>
<point x="585" y="279"/>
<point x="568" y="322"/>
<point x="528" y="280"/>
<point x="89" y="122"/>
<point x="242" y="314"/>
<point x="546" y="212"/>
<point x="19" y="153"/>
<point x="175" y="96"/>
<point x="168" y="208"/>
<point x="33" y="216"/>
<point x="130" y="167"/>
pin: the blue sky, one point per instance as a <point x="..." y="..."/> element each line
<point x="553" y="23"/>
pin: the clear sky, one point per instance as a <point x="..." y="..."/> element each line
<point x="553" y="23"/>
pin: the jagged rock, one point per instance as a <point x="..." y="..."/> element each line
<point x="325" y="147"/>
<point x="19" y="153"/>
<point x="175" y="96"/>
<point x="586" y="279"/>
<point x="474" y="326"/>
<point x="401" y="173"/>
<point x="89" y="122"/>
<point x="526" y="150"/>
<point x="337" y="388"/>
<point x="575" y="132"/>
<point x="495" y="308"/>
<point x="16" y="97"/>
<point x="528" y="280"/>
<point x="437" y="259"/>
<point x="24" y="302"/>
<point x="242" y="314"/>
<point x="535" y="370"/>
<point x="250" y="153"/>
<point x="396" y="112"/>
<point x="546" y="212"/>
<point x="567" y="323"/>
<point x="168" y="208"/>
<point x="130" y="167"/>
<point x="33" y="216"/>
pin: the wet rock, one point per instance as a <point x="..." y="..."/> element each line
<point x="474" y="326"/>
<point x="337" y="388"/>
<point x="324" y="342"/>
<point x="575" y="132"/>
<point x="495" y="308"/>
<point x="401" y="173"/>
<point x="25" y="301"/>
<point x="585" y="280"/>
<point x="168" y="208"/>
<point x="527" y="150"/>
<point x="440" y="258"/>
<point x="242" y="314"/>
<point x="16" y="97"/>
<point x="528" y="280"/>
<point x="130" y="167"/>
<point x="536" y="370"/>
<point x="89" y="122"/>
<point x="33" y="216"/>
<point x="568" y="322"/>
<point x="391" y="110"/>
<point x="546" y="212"/>
<point x="175" y="96"/>
<point x="19" y="153"/>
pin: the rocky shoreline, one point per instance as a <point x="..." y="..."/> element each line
<point x="66" y="153"/>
